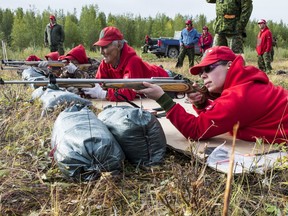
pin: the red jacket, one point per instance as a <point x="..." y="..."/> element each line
<point x="205" y="41"/>
<point x="249" y="98"/>
<point x="130" y="66"/>
<point x="264" y="41"/>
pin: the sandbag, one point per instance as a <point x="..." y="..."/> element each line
<point x="31" y="72"/>
<point x="38" y="92"/>
<point x="138" y="132"/>
<point x="53" y="98"/>
<point x="82" y="145"/>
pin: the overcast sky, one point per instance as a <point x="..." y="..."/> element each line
<point x="268" y="9"/>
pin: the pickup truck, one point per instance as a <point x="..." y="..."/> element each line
<point x="169" y="47"/>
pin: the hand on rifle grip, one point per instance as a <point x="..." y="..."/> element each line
<point x="70" y="68"/>
<point x="96" y="92"/>
<point x="198" y="97"/>
<point x="43" y="64"/>
<point x="151" y="91"/>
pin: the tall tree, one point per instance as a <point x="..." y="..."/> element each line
<point x="88" y="25"/>
<point x="19" y="41"/>
<point x="73" y="36"/>
<point x="159" y="26"/>
<point x="6" y="23"/>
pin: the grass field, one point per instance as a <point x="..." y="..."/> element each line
<point x="31" y="184"/>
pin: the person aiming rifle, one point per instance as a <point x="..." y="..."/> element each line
<point x="75" y="64"/>
<point x="120" y="61"/>
<point x="246" y="96"/>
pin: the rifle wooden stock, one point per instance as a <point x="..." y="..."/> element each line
<point x="170" y="87"/>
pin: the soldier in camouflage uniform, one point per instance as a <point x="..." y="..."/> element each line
<point x="264" y="47"/>
<point x="232" y="17"/>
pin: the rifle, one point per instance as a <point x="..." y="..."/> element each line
<point x="168" y="84"/>
<point x="16" y="64"/>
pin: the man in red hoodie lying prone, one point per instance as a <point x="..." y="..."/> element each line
<point x="120" y="61"/>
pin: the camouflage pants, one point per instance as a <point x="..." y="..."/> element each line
<point x="235" y="42"/>
<point x="145" y="48"/>
<point x="190" y="52"/>
<point x="264" y="62"/>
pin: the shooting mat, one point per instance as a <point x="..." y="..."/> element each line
<point x="249" y="156"/>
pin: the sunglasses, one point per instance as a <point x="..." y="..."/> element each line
<point x="210" y="68"/>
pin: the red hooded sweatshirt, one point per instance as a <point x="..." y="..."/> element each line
<point x="130" y="66"/>
<point x="248" y="98"/>
<point x="264" y="41"/>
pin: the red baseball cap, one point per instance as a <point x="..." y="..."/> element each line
<point x="33" y="58"/>
<point x="188" y="22"/>
<point x="108" y="35"/>
<point x="52" y="17"/>
<point x="61" y="57"/>
<point x="77" y="53"/>
<point x="213" y="55"/>
<point x="205" y="28"/>
<point x="53" y="56"/>
<point x="262" y="21"/>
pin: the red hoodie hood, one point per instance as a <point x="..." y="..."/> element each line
<point x="127" y="53"/>
<point x="239" y="74"/>
<point x="53" y="55"/>
<point x="78" y="53"/>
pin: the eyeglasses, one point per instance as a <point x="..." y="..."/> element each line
<point x="210" y="68"/>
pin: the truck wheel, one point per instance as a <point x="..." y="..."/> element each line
<point x="173" y="52"/>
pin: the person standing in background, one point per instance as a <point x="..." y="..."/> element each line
<point x="264" y="47"/>
<point x="189" y="37"/>
<point x="205" y="40"/>
<point x="54" y="36"/>
<point x="232" y="17"/>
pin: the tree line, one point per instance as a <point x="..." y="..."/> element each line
<point x="22" y="29"/>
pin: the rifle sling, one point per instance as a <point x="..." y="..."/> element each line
<point x="124" y="98"/>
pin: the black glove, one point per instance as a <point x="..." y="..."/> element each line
<point x="244" y="35"/>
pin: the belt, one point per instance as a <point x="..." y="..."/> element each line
<point x="229" y="16"/>
<point x="189" y="46"/>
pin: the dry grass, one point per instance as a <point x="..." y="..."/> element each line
<point x="30" y="184"/>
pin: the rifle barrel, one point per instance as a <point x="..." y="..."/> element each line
<point x="16" y="63"/>
<point x="171" y="85"/>
<point x="83" y="81"/>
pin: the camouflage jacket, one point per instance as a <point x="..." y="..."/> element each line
<point x="232" y="16"/>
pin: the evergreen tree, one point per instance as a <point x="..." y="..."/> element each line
<point x="19" y="41"/>
<point x="88" y="25"/>
<point x="73" y="36"/>
<point x="21" y="29"/>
